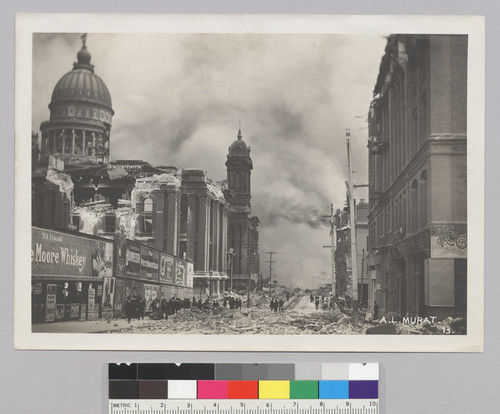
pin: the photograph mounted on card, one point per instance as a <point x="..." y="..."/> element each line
<point x="199" y="180"/>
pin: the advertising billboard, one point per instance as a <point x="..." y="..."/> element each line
<point x="167" y="268"/>
<point x="150" y="259"/>
<point x="180" y="272"/>
<point x="128" y="258"/>
<point x="60" y="254"/>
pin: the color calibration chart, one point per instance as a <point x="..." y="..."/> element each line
<point x="157" y="388"/>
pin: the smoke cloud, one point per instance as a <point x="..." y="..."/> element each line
<point x="178" y="99"/>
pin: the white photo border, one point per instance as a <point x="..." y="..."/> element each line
<point x="473" y="26"/>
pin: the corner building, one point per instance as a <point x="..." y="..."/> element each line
<point x="418" y="177"/>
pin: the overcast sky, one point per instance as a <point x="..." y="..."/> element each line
<point x="178" y="99"/>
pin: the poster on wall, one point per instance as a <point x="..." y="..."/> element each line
<point x="91" y="304"/>
<point x="150" y="259"/>
<point x="166" y="268"/>
<point x="75" y="310"/>
<point x="50" y="305"/>
<point x="55" y="253"/>
<point x="109" y="290"/>
<point x="60" y="312"/>
<point x="180" y="272"/>
<point x="128" y="258"/>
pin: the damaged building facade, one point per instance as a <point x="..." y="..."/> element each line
<point x="418" y="177"/>
<point x="168" y="229"/>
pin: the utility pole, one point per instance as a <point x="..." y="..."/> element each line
<point x="362" y="272"/>
<point x="270" y="261"/>
<point x="333" y="247"/>
<point x="352" y="222"/>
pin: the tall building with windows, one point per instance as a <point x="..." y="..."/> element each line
<point x="243" y="229"/>
<point x="418" y="177"/>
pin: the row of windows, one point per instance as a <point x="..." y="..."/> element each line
<point x="405" y="213"/>
<point x="400" y="119"/>
<point x="79" y="112"/>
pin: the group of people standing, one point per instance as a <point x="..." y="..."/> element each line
<point x="134" y="307"/>
<point x="276" y="305"/>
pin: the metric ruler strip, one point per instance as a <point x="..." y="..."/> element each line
<point x="340" y="406"/>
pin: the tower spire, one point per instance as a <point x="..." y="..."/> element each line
<point x="239" y="130"/>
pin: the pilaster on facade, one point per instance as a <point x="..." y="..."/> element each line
<point x="202" y="260"/>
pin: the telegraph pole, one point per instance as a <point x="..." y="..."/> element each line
<point x="270" y="261"/>
<point x="333" y="246"/>
<point x="352" y="222"/>
<point x="362" y="273"/>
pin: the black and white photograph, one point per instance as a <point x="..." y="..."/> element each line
<point x="230" y="184"/>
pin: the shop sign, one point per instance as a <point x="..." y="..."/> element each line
<point x="150" y="259"/>
<point x="449" y="241"/>
<point x="180" y="272"/>
<point x="55" y="253"/>
<point x="50" y="308"/>
<point x="190" y="274"/>
<point x="166" y="268"/>
<point x="416" y="243"/>
<point x="128" y="258"/>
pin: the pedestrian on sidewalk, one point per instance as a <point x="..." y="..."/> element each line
<point x="129" y="309"/>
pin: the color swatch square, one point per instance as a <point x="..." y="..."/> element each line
<point x="304" y="390"/>
<point x="360" y="372"/>
<point x="308" y="372"/>
<point x="212" y="390"/>
<point x="122" y="389"/>
<point x="182" y="389"/>
<point x="150" y="390"/>
<point x="233" y="372"/>
<point x="335" y="372"/>
<point x="243" y="390"/>
<point x="269" y="390"/>
<point x="334" y="390"/>
<point x="363" y="389"/>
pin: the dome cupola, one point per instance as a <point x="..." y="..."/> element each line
<point x="80" y="112"/>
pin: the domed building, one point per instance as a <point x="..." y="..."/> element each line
<point x="80" y="116"/>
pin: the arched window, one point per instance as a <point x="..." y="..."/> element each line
<point x="422" y="198"/>
<point x="147" y="216"/>
<point x="414" y="206"/>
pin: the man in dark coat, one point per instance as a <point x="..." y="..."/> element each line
<point x="129" y="308"/>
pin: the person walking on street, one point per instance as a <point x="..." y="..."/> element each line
<point x="317" y="303"/>
<point x="129" y="311"/>
<point x="280" y="305"/>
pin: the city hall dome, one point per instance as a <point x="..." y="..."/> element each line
<point x="81" y="95"/>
